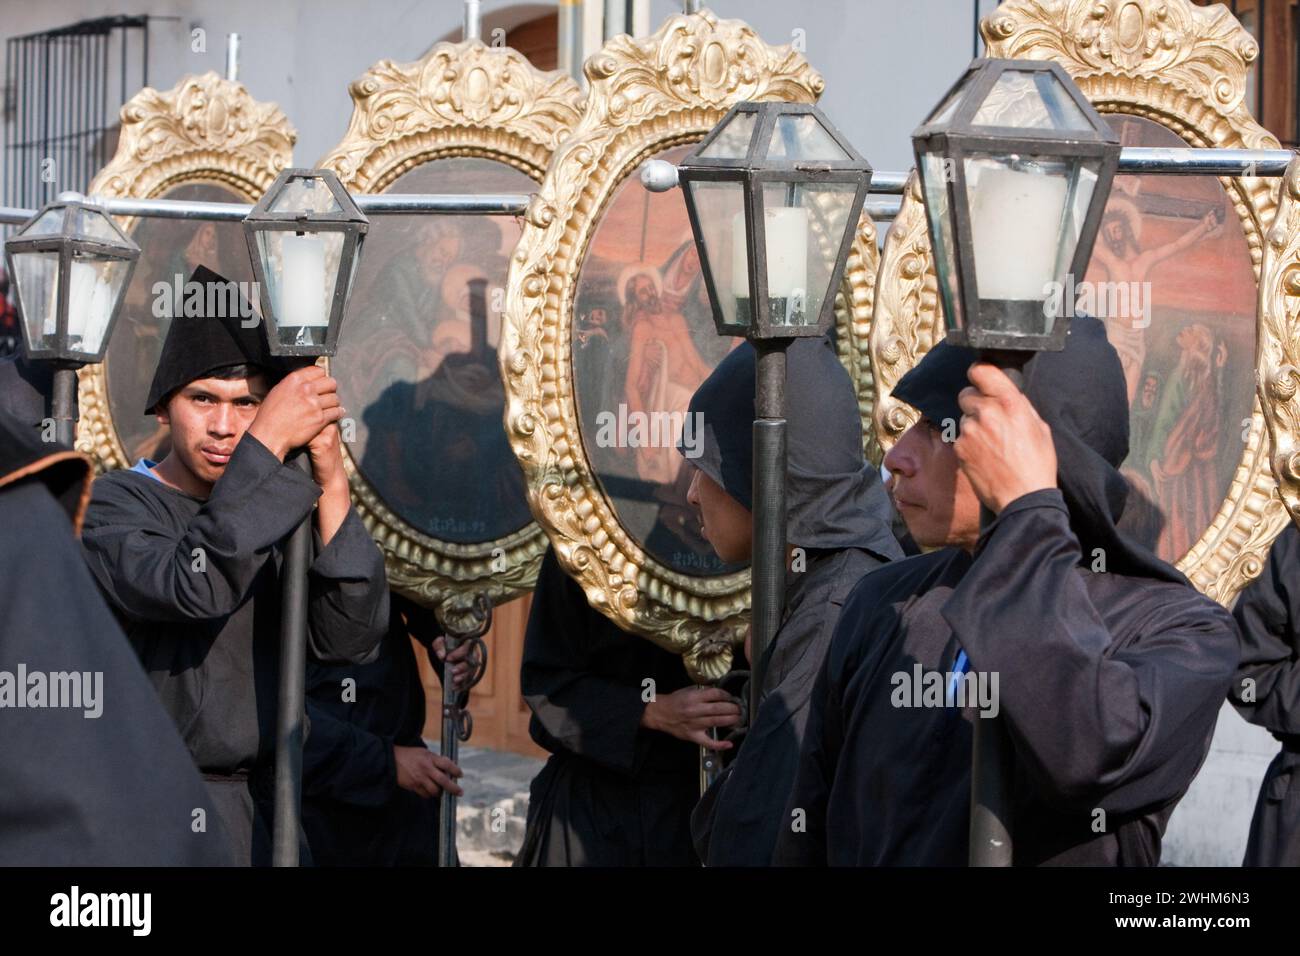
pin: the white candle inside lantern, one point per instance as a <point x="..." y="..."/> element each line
<point x="89" y="302"/>
<point x="787" y="253"/>
<point x="1015" y="221"/>
<point x="302" y="302"/>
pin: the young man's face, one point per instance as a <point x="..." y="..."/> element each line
<point x="724" y="522"/>
<point x="930" y="490"/>
<point x="207" y="418"/>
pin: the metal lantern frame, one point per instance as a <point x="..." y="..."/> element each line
<point x="753" y="172"/>
<point x="957" y="138"/>
<point x="348" y="220"/>
<point x="68" y="242"/>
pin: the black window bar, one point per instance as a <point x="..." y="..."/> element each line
<point x="64" y="89"/>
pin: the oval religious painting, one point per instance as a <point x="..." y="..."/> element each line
<point x="417" y="361"/>
<point x="643" y="341"/>
<point x="170" y="249"/>
<point x="1171" y="276"/>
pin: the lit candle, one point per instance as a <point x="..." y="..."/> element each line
<point x="1015" y="218"/>
<point x="302" y="302"/>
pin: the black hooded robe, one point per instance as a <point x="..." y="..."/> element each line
<point x="839" y="516"/>
<point x="1267" y="692"/>
<point x="613" y="793"/>
<point x="1109" y="681"/>
<point x="353" y="811"/>
<point x="102" y="784"/>
<point x="196" y="586"/>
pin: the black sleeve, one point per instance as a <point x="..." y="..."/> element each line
<point x="348" y="602"/>
<point x="1266" y="690"/>
<point x="345" y="762"/>
<point x="1095" y="726"/>
<point x="108" y="782"/>
<point x="590" y="715"/>
<point x="149" y="569"/>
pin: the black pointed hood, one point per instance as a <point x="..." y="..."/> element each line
<point x="1080" y="393"/>
<point x="834" y="499"/>
<point x="197" y="345"/>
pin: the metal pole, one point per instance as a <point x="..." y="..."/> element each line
<point x="232" y="57"/>
<point x="465" y="625"/>
<point x="690" y="7"/>
<point x="615" y="18"/>
<point x="63" y="405"/>
<point x="289" y="715"/>
<point x="991" y="816"/>
<point x="768" y="578"/>
<point x="569" y="40"/>
<point x="473" y="21"/>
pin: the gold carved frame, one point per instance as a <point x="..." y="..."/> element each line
<point x="1278" y="368"/>
<point x="205" y="130"/>
<point x="460" y="99"/>
<point x="646" y="95"/>
<point x="1184" y="67"/>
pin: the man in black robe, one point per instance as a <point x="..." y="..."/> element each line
<point x="837" y="530"/>
<point x="622" y="722"/>
<point x="371" y="788"/>
<point x="187" y="551"/>
<point x="1110" y="669"/>
<point x="1266" y="692"/>
<point x="107" y="780"/>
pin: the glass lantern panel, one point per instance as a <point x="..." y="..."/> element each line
<point x="307" y="195"/>
<point x="720" y="209"/>
<point x="732" y="141"/>
<point x="936" y="171"/>
<point x="36" y="277"/>
<point x="802" y="137"/>
<point x="945" y="110"/>
<point x="300" y="271"/>
<point x="94" y="288"/>
<point x="1026" y="213"/>
<point x="49" y="223"/>
<point x="1031" y="100"/>
<point x="804" y="225"/>
<point x="94" y="224"/>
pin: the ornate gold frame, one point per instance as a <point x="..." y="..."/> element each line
<point x="1170" y="61"/>
<point x="460" y="99"/>
<point x="205" y="130"/>
<point x="1278" y="367"/>
<point x="646" y="95"/>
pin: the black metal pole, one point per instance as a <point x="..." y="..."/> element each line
<point x="63" y="405"/>
<point x="290" y="707"/>
<point x="991" y="768"/>
<point x="469" y="625"/>
<point x="768" y="565"/>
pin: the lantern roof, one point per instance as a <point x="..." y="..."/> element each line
<point x="314" y="195"/>
<point x="775" y="136"/>
<point x="71" y="219"/>
<point x="1032" y="99"/>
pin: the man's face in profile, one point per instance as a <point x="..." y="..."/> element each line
<point x="930" y="491"/>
